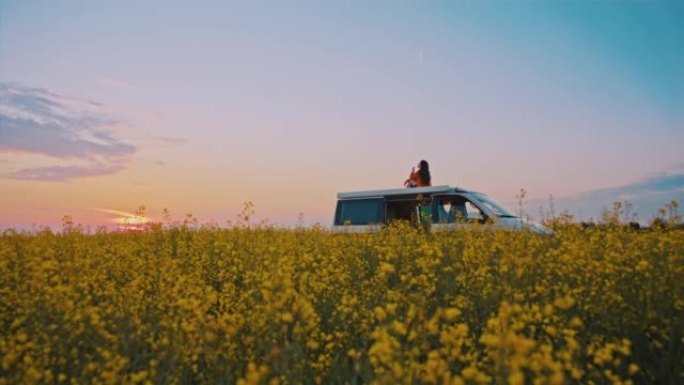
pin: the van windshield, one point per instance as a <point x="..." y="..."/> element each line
<point x="493" y="206"/>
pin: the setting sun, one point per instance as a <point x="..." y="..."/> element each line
<point x="123" y="218"/>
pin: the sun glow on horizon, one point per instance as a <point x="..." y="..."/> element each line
<point x="124" y="218"/>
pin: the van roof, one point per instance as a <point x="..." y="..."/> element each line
<point x="399" y="191"/>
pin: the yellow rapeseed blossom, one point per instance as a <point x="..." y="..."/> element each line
<point x="265" y="305"/>
<point x="451" y="313"/>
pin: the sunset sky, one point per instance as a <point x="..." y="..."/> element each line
<point x="198" y="107"/>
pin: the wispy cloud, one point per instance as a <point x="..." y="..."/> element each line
<point x="62" y="173"/>
<point x="37" y="121"/>
<point x="119" y="84"/>
<point x="168" y="141"/>
<point x="671" y="182"/>
<point x="646" y="196"/>
<point x="114" y="212"/>
<point x="160" y="141"/>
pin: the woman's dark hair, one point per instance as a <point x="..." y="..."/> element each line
<point x="424" y="171"/>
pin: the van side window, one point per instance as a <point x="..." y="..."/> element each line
<point x="474" y="212"/>
<point x="360" y="211"/>
<point x="457" y="209"/>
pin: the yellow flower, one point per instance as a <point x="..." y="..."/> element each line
<point x="451" y="313"/>
<point x="380" y="314"/>
<point x="633" y="369"/>
<point x="287" y="317"/>
<point x="313" y="345"/>
<point x="516" y="378"/>
<point x="564" y="303"/>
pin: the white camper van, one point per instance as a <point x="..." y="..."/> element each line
<point x="440" y="207"/>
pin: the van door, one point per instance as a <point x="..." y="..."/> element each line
<point x="410" y="208"/>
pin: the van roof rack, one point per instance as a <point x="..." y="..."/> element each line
<point x="398" y="191"/>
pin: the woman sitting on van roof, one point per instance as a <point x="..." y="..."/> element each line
<point x="420" y="177"/>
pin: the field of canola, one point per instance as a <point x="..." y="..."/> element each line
<point x="264" y="305"/>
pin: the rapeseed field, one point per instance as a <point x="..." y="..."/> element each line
<point x="265" y="305"/>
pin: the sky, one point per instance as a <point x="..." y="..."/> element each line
<point x="199" y="107"/>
